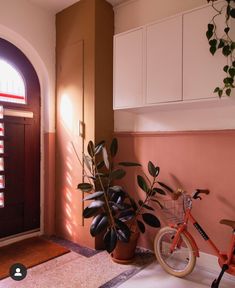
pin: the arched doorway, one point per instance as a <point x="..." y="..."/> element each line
<point x="19" y="143"/>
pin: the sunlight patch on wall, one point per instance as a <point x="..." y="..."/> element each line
<point x="66" y="112"/>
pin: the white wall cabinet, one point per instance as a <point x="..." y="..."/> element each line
<point x="202" y="71"/>
<point x="167" y="61"/>
<point x="128" y="69"/>
<point x="164" y="61"/>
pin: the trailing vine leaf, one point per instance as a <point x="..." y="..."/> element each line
<point x="223" y="42"/>
<point x="232" y="13"/>
<point x="228" y="91"/>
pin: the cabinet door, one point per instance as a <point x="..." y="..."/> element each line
<point x="128" y="69"/>
<point x="164" y="61"/>
<point x="202" y="71"/>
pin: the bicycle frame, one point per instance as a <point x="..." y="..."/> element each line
<point x="228" y="258"/>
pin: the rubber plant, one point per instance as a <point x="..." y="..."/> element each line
<point x="223" y="43"/>
<point x="114" y="211"/>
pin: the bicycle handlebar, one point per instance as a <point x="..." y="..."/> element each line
<point x="196" y="195"/>
<point x="198" y="192"/>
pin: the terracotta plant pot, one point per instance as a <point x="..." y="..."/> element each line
<point x="124" y="253"/>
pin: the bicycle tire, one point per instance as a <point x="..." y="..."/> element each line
<point x="179" y="263"/>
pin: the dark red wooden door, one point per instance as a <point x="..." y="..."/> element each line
<point x="21" y="211"/>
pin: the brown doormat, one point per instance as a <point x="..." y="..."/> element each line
<point x="29" y="252"/>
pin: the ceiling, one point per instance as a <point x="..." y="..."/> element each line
<point x="58" y="5"/>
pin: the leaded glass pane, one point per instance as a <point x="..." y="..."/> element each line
<point x="12" y="86"/>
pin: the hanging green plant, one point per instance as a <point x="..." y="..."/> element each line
<point x="223" y="43"/>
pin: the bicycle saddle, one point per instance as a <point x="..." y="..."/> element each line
<point x="228" y="223"/>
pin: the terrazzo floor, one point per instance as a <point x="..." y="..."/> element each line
<point x="83" y="268"/>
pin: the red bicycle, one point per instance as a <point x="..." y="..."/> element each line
<point x="175" y="248"/>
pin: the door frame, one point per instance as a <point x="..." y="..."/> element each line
<point x="47" y="89"/>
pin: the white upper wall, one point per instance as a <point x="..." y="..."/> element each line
<point x="136" y="13"/>
<point x="32" y="29"/>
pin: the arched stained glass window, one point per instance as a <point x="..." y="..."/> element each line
<point x="12" y="86"/>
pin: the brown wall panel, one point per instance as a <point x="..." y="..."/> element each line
<point x="84" y="83"/>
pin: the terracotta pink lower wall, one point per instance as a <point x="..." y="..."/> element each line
<point x="189" y="160"/>
<point x="49" y="183"/>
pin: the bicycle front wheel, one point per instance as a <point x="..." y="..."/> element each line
<point x="182" y="260"/>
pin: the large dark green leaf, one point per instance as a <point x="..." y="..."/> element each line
<point x="85" y="187"/>
<point x="116" y="193"/>
<point x="121" y="236"/>
<point x="129" y="164"/>
<point x="105" y="157"/>
<point x="99" y="147"/>
<point x="133" y="204"/>
<point x="165" y="186"/>
<point x="142" y="183"/>
<point x="141" y="226"/>
<point x="99" y="223"/>
<point x="116" y="189"/>
<point x="93" y="208"/>
<point x="110" y="240"/>
<point x="87" y="162"/>
<point x="126" y="215"/>
<point x="94" y="195"/>
<point x="118" y="174"/>
<point x="90" y="212"/>
<point x="151" y="220"/>
<point x="91" y="148"/>
<point x="114" y="147"/>
<point x="100" y="165"/>
<point x="96" y="204"/>
<point x="159" y="191"/>
<point x="151" y="168"/>
<point x="123" y="227"/>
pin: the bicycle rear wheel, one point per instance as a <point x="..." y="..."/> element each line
<point x="182" y="260"/>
